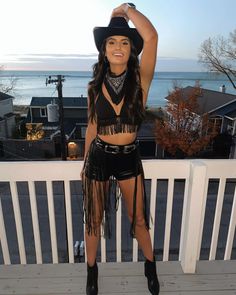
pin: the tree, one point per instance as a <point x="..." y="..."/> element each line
<point x="11" y="84"/>
<point x="218" y="54"/>
<point x="183" y="132"/>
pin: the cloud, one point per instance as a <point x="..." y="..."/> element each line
<point x="53" y="55"/>
<point x="47" y="61"/>
<point x="84" y="62"/>
<point x="44" y="56"/>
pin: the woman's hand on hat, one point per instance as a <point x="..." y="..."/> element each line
<point x="120" y="11"/>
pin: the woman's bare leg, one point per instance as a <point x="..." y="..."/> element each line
<point x="141" y="233"/>
<point x="92" y="242"/>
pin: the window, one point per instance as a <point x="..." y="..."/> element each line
<point x="217" y="123"/>
<point x="43" y="112"/>
<point x="230" y="128"/>
<point x="83" y="131"/>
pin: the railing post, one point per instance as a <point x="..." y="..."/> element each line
<point x="3" y="238"/>
<point x="192" y="214"/>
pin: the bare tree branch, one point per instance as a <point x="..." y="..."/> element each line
<point x="219" y="55"/>
<point x="11" y="83"/>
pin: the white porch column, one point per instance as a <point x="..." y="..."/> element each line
<point x="192" y="215"/>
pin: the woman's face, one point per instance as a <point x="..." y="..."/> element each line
<point x="118" y="50"/>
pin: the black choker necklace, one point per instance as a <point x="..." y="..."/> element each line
<point x="115" y="85"/>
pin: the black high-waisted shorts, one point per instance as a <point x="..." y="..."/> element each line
<point x="106" y="160"/>
<point x="104" y="164"/>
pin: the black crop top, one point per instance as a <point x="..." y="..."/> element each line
<point x="108" y="122"/>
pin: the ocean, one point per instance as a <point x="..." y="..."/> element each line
<point x="32" y="83"/>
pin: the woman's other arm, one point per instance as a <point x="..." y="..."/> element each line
<point x="91" y="132"/>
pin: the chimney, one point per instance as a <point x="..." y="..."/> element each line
<point x="222" y="89"/>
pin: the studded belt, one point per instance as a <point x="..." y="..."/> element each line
<point x="116" y="149"/>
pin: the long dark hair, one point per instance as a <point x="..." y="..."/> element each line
<point x="133" y="93"/>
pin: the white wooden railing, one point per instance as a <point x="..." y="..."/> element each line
<point x="196" y="174"/>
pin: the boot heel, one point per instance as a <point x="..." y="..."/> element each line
<point x="92" y="280"/>
<point x="151" y="275"/>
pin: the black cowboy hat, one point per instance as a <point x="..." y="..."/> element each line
<point x="117" y="26"/>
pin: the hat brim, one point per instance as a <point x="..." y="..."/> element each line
<point x="102" y="33"/>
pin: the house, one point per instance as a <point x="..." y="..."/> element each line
<point x="146" y="138"/>
<point x="220" y="107"/>
<point x="75" y="123"/>
<point x="75" y="115"/>
<point x="7" y="118"/>
<point x="146" y="134"/>
<point x="221" y="110"/>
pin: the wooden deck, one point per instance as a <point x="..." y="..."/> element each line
<point x="212" y="277"/>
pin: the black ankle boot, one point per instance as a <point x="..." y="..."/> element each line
<point x="151" y="275"/>
<point x="92" y="279"/>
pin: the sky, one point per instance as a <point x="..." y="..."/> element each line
<point x="58" y="34"/>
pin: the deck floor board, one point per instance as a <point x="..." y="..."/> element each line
<point x="211" y="277"/>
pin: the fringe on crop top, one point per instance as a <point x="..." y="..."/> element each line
<point x="108" y="122"/>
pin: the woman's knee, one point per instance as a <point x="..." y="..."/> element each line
<point x="139" y="220"/>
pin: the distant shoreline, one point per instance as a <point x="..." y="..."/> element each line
<point x="90" y="71"/>
<point x="32" y="83"/>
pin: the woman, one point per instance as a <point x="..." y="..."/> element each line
<point x="116" y="104"/>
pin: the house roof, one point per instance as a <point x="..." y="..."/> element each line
<point x="232" y="114"/>
<point x="225" y="110"/>
<point x="209" y="100"/>
<point x="4" y="96"/>
<point x="80" y="102"/>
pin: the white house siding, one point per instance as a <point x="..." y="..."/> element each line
<point x="7" y="126"/>
<point x="11" y="123"/>
<point x="7" y="123"/>
<point x="2" y="129"/>
<point x="6" y="107"/>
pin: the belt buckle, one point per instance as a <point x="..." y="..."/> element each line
<point x="99" y="144"/>
<point x="129" y="149"/>
<point x="111" y="151"/>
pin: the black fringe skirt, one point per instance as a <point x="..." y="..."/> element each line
<point x="104" y="165"/>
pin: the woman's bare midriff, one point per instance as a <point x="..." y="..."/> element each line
<point x="119" y="138"/>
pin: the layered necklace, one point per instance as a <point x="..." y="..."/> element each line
<point x="115" y="85"/>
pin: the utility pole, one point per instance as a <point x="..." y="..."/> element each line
<point x="58" y="83"/>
